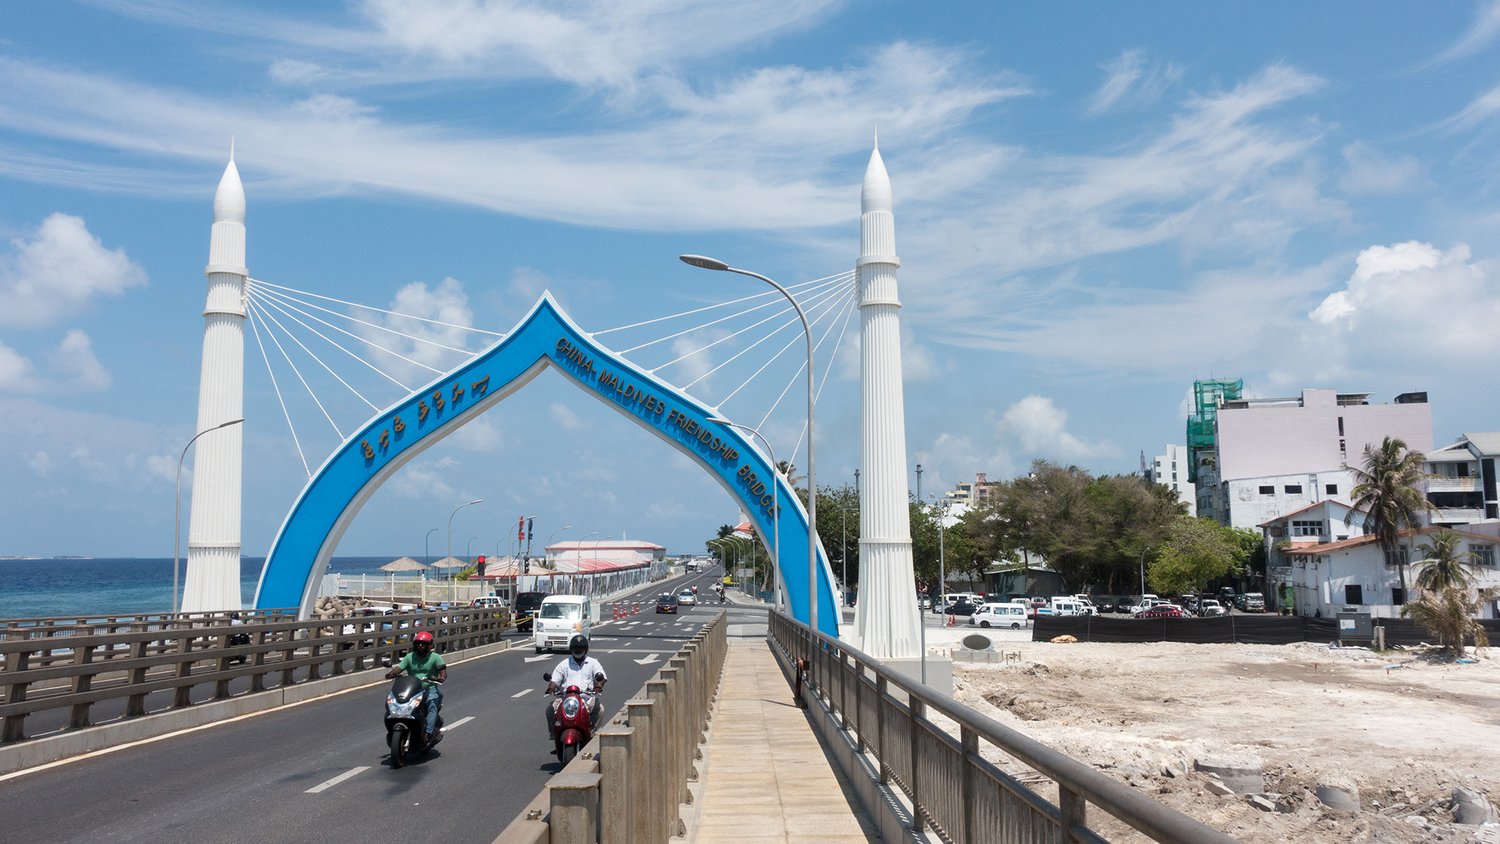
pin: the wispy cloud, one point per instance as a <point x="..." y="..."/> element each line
<point x="1132" y="79"/>
<point x="1481" y="32"/>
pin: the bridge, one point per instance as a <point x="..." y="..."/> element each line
<point x="725" y="747"/>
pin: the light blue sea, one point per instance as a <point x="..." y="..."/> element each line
<point x="105" y="586"/>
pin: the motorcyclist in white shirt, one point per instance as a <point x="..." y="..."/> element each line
<point x="581" y="670"/>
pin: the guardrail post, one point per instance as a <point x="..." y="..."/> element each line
<point x="574" y="813"/>
<point x="968" y="742"/>
<point x="183" y="694"/>
<point x="1073" y="810"/>
<point x="880" y="740"/>
<point x="917" y="710"/>
<point x="15" y="725"/>
<point x="617" y="790"/>
<point x="79" y="716"/>
<point x="668" y="716"/>
<point x="135" y="706"/>
<point x="648" y="798"/>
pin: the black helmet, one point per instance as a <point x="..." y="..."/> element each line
<point x="578" y="646"/>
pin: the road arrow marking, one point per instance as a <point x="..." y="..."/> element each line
<point x="647" y="659"/>
<point x="327" y="784"/>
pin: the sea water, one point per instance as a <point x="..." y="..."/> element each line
<point x="43" y="588"/>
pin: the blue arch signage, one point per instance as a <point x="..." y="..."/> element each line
<point x="545" y="337"/>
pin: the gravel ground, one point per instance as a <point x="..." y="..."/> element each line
<point x="1404" y="728"/>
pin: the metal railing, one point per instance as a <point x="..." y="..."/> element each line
<point x="177" y="665"/>
<point x="54" y="634"/>
<point x="629" y="782"/>
<point x="954" y="790"/>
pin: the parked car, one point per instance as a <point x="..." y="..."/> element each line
<point x="1190" y="602"/>
<point x="686" y="598"/>
<point x="1253" y="602"/>
<point x="1001" y="615"/>
<point x="528" y="604"/>
<point x="961" y="608"/>
<point x="1210" y="608"/>
<point x="1226" y="596"/>
<point x="1104" y="603"/>
<point x="1067" y="606"/>
<point x="1163" y="611"/>
<point x="666" y="602"/>
<point x="487" y="602"/>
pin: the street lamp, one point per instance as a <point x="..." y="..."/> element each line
<point x="469" y="549"/>
<point x="1143" y="572"/>
<point x="177" y="523"/>
<point x="553" y="534"/>
<point x="426" y="545"/>
<point x="450" y="521"/>
<point x="919" y="481"/>
<point x="942" y="559"/>
<point x="812" y="471"/>
<point x="775" y="505"/>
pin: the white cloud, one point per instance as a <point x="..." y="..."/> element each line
<point x="564" y="418"/>
<point x="58" y="270"/>
<point x="917" y="360"/>
<point x="479" y="435"/>
<point x="1479" y="110"/>
<point x="39" y="463"/>
<point x="1039" y="428"/>
<point x="1133" y="81"/>
<point x="1481" y="32"/>
<point x="74" y="359"/>
<point x="163" y="466"/>
<point x="425" y="480"/>
<point x="424" y="329"/>
<point x="17" y="375"/>
<point x="1368" y="171"/>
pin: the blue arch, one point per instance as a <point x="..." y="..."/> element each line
<point x="545" y="337"/>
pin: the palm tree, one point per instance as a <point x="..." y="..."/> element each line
<point x="1387" y="492"/>
<point x="1449" y="615"/>
<point x="1446" y="566"/>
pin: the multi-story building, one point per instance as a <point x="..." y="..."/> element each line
<point x="980" y="493"/>
<point x="1462" y="487"/>
<point x="1171" y="470"/>
<point x="1267" y="457"/>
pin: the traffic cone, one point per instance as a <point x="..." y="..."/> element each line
<point x="950" y="622"/>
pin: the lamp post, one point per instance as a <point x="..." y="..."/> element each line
<point x="775" y="505"/>
<point x="426" y="546"/>
<point x="450" y="521"/>
<point x="177" y="520"/>
<point x="553" y="534"/>
<point x="919" y="482"/>
<point x="469" y="549"/>
<point x="812" y="471"/>
<point x="1143" y="572"/>
<point x="942" y="558"/>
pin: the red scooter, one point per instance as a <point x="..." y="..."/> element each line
<point x="572" y="726"/>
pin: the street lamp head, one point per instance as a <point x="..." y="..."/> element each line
<point x="703" y="262"/>
<point x="475" y="501"/>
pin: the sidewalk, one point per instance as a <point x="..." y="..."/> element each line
<point x="765" y="775"/>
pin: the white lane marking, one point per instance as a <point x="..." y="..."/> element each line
<point x="647" y="659"/>
<point x="538" y="658"/>
<point x="327" y="784"/>
<point x="456" y="724"/>
<point x="521" y="692"/>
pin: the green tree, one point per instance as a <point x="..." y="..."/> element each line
<point x="1448" y="614"/>
<point x="1386" y="490"/>
<point x="1444" y="565"/>
<point x="838" y="527"/>
<point x="1193" y="552"/>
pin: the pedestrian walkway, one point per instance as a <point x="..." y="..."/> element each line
<point x="766" y="777"/>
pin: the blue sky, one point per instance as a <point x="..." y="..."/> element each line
<point x="1095" y="204"/>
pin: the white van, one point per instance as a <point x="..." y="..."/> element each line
<point x="1067" y="606"/>
<point x="560" y="618"/>
<point x="1001" y="615"/>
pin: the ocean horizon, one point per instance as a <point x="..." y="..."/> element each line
<point x="42" y="587"/>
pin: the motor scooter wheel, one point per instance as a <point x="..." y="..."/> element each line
<point x="567" y="753"/>
<point x="397" y="741"/>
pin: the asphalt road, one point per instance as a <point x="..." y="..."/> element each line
<point x="320" y="771"/>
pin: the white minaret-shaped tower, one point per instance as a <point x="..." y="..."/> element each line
<point x="213" y="558"/>
<point x="886" y="619"/>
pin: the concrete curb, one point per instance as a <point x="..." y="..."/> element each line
<point x="42" y="751"/>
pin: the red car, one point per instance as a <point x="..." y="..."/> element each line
<point x="1162" y="611"/>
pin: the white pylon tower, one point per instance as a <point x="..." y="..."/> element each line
<point x="213" y="558"/>
<point x="886" y="618"/>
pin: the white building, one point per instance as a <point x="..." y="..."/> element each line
<point x="1462" y="489"/>
<point x="1171" y="471"/>
<point x="1316" y="524"/>
<point x="1273" y="456"/>
<point x="1355" y="572"/>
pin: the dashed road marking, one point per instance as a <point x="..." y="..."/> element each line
<point x="327" y="784"/>
<point x="521" y="693"/>
<point x="456" y="724"/>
